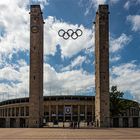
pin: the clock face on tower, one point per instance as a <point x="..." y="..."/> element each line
<point x="34" y="29"/>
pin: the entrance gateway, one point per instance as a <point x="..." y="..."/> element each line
<point x="65" y="111"/>
<point x="102" y="114"/>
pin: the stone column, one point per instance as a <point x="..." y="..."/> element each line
<point x="71" y="113"/>
<point x="130" y="120"/>
<point x="78" y="113"/>
<point x="10" y="111"/>
<point x="57" y="112"/>
<point x="17" y="123"/>
<point x="36" y="67"/>
<point x="86" y="113"/>
<point x="15" y="111"/>
<point x="102" y="105"/>
<point x="139" y="122"/>
<point x="0" y="113"/>
<point x="111" y="122"/>
<point x="19" y="111"/>
<point x="64" y="113"/>
<point x="27" y="123"/>
<point x="49" y="113"/>
<point x="93" y="113"/>
<point x="4" y="112"/>
<point x="24" y="110"/>
<point x="120" y="122"/>
<point x="7" y="122"/>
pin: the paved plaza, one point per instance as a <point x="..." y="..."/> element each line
<point x="69" y="134"/>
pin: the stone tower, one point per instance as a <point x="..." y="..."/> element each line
<point x="36" y="67"/>
<point x="102" y="101"/>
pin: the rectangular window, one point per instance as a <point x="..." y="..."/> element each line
<point x="27" y="111"/>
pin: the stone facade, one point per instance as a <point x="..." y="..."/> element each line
<point x="36" y="67"/>
<point x="15" y="113"/>
<point x="102" y="112"/>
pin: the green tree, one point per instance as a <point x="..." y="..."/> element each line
<point x="117" y="103"/>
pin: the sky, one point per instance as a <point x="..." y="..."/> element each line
<point x="69" y="64"/>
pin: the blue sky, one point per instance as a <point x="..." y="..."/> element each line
<point x="69" y="64"/>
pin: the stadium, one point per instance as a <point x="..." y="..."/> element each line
<point x="62" y="111"/>
<point x="75" y="111"/>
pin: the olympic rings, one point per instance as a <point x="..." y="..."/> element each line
<point x="70" y="33"/>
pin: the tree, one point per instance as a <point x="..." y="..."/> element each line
<point x="115" y="101"/>
<point x="118" y="104"/>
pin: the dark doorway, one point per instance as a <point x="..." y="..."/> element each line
<point x="2" y="123"/>
<point x="89" y="118"/>
<point x="135" y="122"/>
<point x="75" y="118"/>
<point x="22" y="122"/>
<point x="125" y="122"/>
<point x="115" y="122"/>
<point x="12" y="123"/>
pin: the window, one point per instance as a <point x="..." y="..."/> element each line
<point x="27" y="111"/>
<point x="22" y="111"/>
<point x="17" y="111"/>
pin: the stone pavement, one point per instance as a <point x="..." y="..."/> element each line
<point x="69" y="134"/>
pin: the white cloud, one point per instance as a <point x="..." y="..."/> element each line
<point x="15" y="37"/>
<point x="14" y="22"/>
<point x="127" y="78"/>
<point x="9" y="73"/>
<point x="130" y="3"/>
<point x="127" y="5"/>
<point x="69" y="47"/>
<point x="115" y="58"/>
<point x="119" y="43"/>
<point x="17" y="84"/>
<point x="42" y="3"/>
<point x="135" y="21"/>
<point x="66" y="82"/>
<point x="97" y="2"/>
<point x="76" y="62"/>
<point x="22" y="62"/>
<point x="93" y="4"/>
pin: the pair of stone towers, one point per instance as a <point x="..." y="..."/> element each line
<point x="101" y="67"/>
